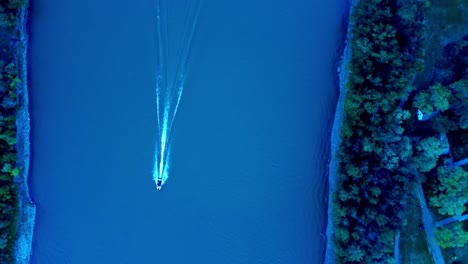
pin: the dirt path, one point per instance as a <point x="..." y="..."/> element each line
<point x="449" y="220"/>
<point x="461" y="162"/>
<point x="397" y="248"/>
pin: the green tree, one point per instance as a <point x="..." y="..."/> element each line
<point x="451" y="236"/>
<point x="10" y="70"/>
<point x="406" y="149"/>
<point x="451" y="192"/>
<point x="4" y="22"/>
<point x="422" y="101"/>
<point x="428" y="151"/>
<point x="460" y="92"/>
<point x="3" y="242"/>
<point x="436" y="98"/>
<point x="14" y="4"/>
<point x="6" y="167"/>
<point x="440" y="96"/>
<point x="355" y="253"/>
<point x="5" y="194"/>
<point x="9" y="138"/>
<point x="463" y="122"/>
<point x="442" y="124"/>
<point x="408" y="12"/>
<point x="342" y="235"/>
<point x="15" y="172"/>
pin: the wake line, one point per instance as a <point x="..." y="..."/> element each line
<point x="167" y="91"/>
<point x="183" y="66"/>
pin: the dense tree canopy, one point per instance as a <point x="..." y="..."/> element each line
<point x="428" y="152"/>
<point x="436" y="98"/>
<point x="376" y="155"/>
<point x="451" y="236"/>
<point x="450" y="192"/>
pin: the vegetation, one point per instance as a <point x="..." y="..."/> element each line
<point x="442" y="94"/>
<point x="384" y="147"/>
<point x="451" y="236"/>
<point x="376" y="155"/>
<point x="413" y="246"/>
<point x="8" y="106"/>
<point x="450" y="192"/>
<point x="441" y="98"/>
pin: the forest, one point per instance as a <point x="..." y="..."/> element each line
<point x="386" y="151"/>
<point x="8" y="108"/>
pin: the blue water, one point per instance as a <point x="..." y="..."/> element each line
<point x="170" y="81"/>
<point x="249" y="143"/>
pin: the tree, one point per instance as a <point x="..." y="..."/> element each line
<point x="14" y="4"/>
<point x="422" y="101"/>
<point x="460" y="91"/>
<point x="408" y="12"/>
<point x="451" y="236"/>
<point x="4" y="224"/>
<point x="463" y="122"/>
<point x="436" y="98"/>
<point x="9" y="138"/>
<point x="442" y="124"/>
<point x="450" y="194"/>
<point x="353" y="171"/>
<point x="342" y="235"/>
<point x="10" y="70"/>
<point x="355" y="253"/>
<point x="15" y="172"/>
<point x="6" y="167"/>
<point x="406" y="149"/>
<point x="3" y="242"/>
<point x="440" y="96"/>
<point x="8" y="103"/>
<point x="4" y="22"/>
<point x="5" y="194"/>
<point x="429" y="150"/>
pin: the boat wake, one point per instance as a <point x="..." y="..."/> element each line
<point x="170" y="79"/>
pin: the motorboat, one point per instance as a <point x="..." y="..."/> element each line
<point x="159" y="184"/>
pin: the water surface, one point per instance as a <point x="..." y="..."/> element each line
<point x="248" y="178"/>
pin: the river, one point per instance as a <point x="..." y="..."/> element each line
<point x="248" y="181"/>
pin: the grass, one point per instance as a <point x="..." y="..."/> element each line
<point x="451" y="16"/>
<point x="413" y="245"/>
<point x="445" y="23"/>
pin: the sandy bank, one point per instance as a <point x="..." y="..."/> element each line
<point x="27" y="210"/>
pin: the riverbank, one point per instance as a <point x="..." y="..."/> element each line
<point x="335" y="136"/>
<point x="26" y="208"/>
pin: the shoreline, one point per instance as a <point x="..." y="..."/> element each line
<point x="336" y="136"/>
<point x="26" y="208"/>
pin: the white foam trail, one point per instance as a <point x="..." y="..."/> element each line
<point x="166" y="91"/>
<point x="182" y="67"/>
